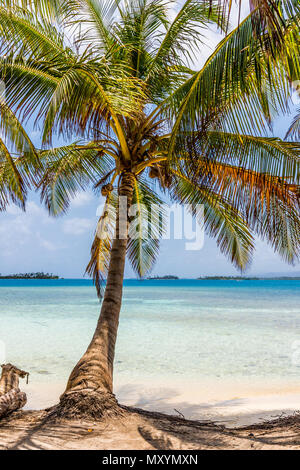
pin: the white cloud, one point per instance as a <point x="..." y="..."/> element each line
<point x="48" y="245"/>
<point x="33" y="210"/>
<point x="18" y="228"/>
<point x="78" y="226"/>
<point x="81" y="199"/>
<point x="12" y="209"/>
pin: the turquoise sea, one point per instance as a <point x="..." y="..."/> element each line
<point x="186" y="331"/>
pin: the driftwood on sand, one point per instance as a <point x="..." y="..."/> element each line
<point x="11" y="397"/>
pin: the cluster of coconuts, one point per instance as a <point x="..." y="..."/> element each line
<point x="162" y="174"/>
<point x="106" y="189"/>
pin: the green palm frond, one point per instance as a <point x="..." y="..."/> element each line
<point x="257" y="176"/>
<point x="246" y="187"/>
<point x="28" y="90"/>
<point x="47" y="8"/>
<point x="19" y="141"/>
<point x="269" y="206"/>
<point x="118" y="74"/>
<point x="84" y="100"/>
<point x="266" y="155"/>
<point x="146" y="228"/>
<point x="13" y="187"/>
<point x="100" y="251"/>
<point x="221" y="220"/>
<point x="19" y="164"/>
<point x="294" y="129"/>
<point x="139" y="29"/>
<point x="96" y="18"/>
<point x="238" y="89"/>
<point x="25" y="32"/>
<point x="184" y="35"/>
<point x="68" y="170"/>
<point x="269" y="12"/>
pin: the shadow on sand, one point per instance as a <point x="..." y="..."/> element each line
<point x="141" y="429"/>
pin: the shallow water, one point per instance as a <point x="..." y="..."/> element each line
<point x="172" y="331"/>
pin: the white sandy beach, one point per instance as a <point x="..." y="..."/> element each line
<point x="216" y="401"/>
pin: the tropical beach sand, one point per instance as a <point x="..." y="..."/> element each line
<point x="190" y="422"/>
<point x="142" y="430"/>
<point x="221" y="404"/>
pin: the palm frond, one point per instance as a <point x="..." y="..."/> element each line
<point x="96" y="18"/>
<point x="265" y="155"/>
<point x="269" y="205"/>
<point x="239" y="88"/>
<point x="139" y="29"/>
<point x="101" y="247"/>
<point x="50" y="9"/>
<point x="118" y="74"/>
<point x="17" y="138"/>
<point x="146" y="228"/>
<point x="184" y="36"/>
<point x="83" y="101"/>
<point x="70" y="169"/>
<point x="294" y="129"/>
<point x="270" y="12"/>
<point x="79" y="99"/>
<point x="13" y="187"/>
<point x="221" y="220"/>
<point x="28" y="89"/>
<point x="24" y="31"/>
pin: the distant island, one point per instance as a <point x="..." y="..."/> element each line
<point x="227" y="278"/>
<point x="30" y="276"/>
<point x="285" y="278"/>
<point x="163" y="278"/>
<point x="241" y="278"/>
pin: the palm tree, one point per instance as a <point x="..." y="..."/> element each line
<point x="118" y="77"/>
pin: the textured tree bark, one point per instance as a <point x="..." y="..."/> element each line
<point x="11" y="398"/>
<point x="90" y="387"/>
<point x="12" y="401"/>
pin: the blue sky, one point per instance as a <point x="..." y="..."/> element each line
<point x="33" y="241"/>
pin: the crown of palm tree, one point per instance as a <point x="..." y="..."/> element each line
<point x="118" y="77"/>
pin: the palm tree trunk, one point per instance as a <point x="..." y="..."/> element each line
<point x="90" y="387"/>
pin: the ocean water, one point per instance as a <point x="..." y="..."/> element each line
<point x="182" y="331"/>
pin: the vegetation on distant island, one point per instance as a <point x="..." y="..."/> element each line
<point x="284" y="278"/>
<point x="242" y="278"/>
<point x="164" y="278"/>
<point x="139" y="117"/>
<point x="29" y="276"/>
<point x="227" y="278"/>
